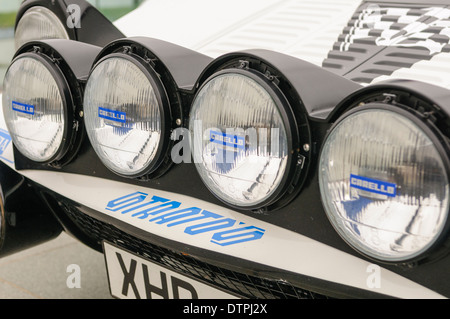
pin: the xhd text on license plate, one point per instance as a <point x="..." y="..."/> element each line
<point x="133" y="277"/>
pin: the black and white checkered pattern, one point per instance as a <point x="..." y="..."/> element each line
<point x="426" y="27"/>
<point x="380" y="39"/>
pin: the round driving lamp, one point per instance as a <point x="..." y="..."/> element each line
<point x="42" y="100"/>
<point x="384" y="174"/>
<point x="126" y="114"/>
<point x="132" y="103"/>
<point x="38" y="20"/>
<point x="39" y="23"/>
<point x="247" y="134"/>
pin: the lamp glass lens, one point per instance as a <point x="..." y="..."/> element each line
<point x="34" y="109"/>
<point x="122" y="116"/>
<point x="239" y="139"/>
<point x="38" y="23"/>
<point x="384" y="184"/>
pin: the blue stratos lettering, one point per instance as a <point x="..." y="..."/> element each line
<point x="373" y="185"/>
<point x="195" y="220"/>
<point x="227" y="139"/>
<point x="23" y="108"/>
<point x="5" y="139"/>
<point x="112" y="115"/>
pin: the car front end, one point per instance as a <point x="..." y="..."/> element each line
<point x="284" y="150"/>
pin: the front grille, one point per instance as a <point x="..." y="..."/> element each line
<point x="238" y="283"/>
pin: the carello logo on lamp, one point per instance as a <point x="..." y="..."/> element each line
<point x="112" y="115"/>
<point x="373" y="185"/>
<point x="23" y="108"/>
<point x="227" y="139"/>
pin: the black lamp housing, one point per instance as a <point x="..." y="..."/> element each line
<point x="427" y="106"/>
<point x="69" y="63"/>
<point x="90" y="19"/>
<point x="307" y="94"/>
<point x="173" y="70"/>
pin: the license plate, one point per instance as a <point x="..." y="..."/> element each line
<point x="133" y="277"/>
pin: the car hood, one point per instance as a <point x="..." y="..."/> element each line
<point x="356" y="39"/>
